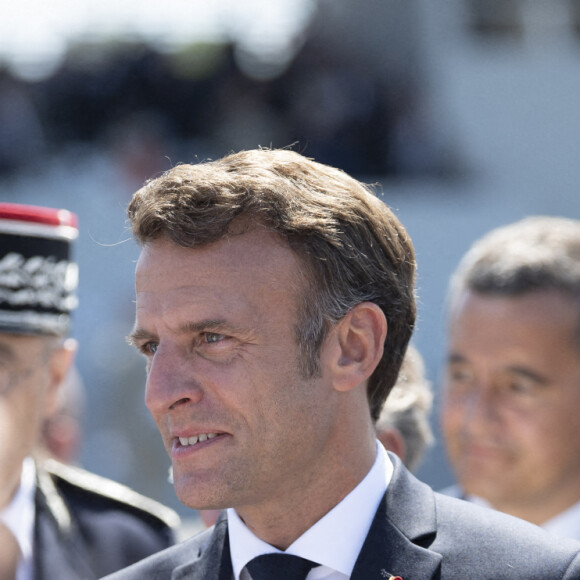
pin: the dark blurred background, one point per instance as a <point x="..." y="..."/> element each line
<point x="464" y="113"/>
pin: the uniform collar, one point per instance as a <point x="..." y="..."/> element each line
<point x="18" y="515"/>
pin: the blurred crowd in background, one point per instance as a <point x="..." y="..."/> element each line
<point x="206" y="99"/>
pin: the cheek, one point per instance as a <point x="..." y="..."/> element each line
<point x="534" y="435"/>
<point x="12" y="452"/>
<point x="283" y="403"/>
<point x="9" y="436"/>
<point x="34" y="402"/>
<point x="32" y="417"/>
<point x="20" y="427"/>
<point x="549" y="430"/>
<point x="451" y="417"/>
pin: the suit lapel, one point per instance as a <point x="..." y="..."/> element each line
<point x="213" y="559"/>
<point x="405" y="521"/>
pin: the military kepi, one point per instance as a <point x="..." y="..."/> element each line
<point x="38" y="278"/>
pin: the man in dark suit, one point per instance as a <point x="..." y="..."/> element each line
<point x="275" y="302"/>
<point x="63" y="522"/>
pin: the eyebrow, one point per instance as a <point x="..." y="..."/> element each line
<point x="139" y="335"/>
<point x="203" y="325"/>
<point x="454" y="358"/>
<point x="518" y="370"/>
<point x="528" y="374"/>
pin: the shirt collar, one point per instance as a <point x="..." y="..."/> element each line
<point x="565" y="524"/>
<point x="19" y="513"/>
<point x="336" y="539"/>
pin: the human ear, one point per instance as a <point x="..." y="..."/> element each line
<point x="60" y="362"/>
<point x="360" y="337"/>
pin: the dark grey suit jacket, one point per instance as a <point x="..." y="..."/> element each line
<point x="416" y="534"/>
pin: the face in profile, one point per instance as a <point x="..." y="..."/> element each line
<point x="512" y="394"/>
<point x="29" y="375"/>
<point x="217" y="325"/>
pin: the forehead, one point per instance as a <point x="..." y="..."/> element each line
<point x="534" y="323"/>
<point x="253" y="269"/>
<point x="21" y="347"/>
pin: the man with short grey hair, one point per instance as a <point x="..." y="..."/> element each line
<point x="512" y="382"/>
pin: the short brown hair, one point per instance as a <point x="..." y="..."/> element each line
<point x="352" y="245"/>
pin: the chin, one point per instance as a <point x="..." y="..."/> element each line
<point x="187" y="496"/>
<point x="193" y="495"/>
<point x="488" y="486"/>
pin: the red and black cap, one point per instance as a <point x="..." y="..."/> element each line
<point x="38" y="279"/>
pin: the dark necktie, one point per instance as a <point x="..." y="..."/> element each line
<point x="279" y="567"/>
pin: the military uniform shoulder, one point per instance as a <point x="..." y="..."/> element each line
<point x="116" y="494"/>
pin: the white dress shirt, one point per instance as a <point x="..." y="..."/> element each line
<point x="334" y="541"/>
<point x="18" y="516"/>
<point x="565" y="524"/>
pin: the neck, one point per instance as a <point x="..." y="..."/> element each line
<point x="281" y="523"/>
<point x="8" y="488"/>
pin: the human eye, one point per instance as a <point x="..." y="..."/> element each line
<point x="213" y="344"/>
<point x="520" y="386"/>
<point x="213" y="337"/>
<point x="459" y="379"/>
<point x="148" y="348"/>
<point x="459" y="375"/>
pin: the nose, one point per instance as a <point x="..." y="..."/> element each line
<point x="480" y="410"/>
<point x="471" y="408"/>
<point x="171" y="382"/>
